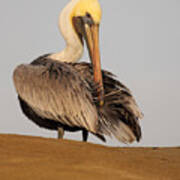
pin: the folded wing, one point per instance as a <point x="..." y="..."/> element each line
<point x="120" y="114"/>
<point x="56" y="91"/>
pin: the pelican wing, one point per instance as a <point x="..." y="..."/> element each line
<point x="120" y="114"/>
<point x="56" y="91"/>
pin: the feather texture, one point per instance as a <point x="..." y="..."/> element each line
<point x="66" y="93"/>
<point x="120" y="114"/>
<point x="55" y="91"/>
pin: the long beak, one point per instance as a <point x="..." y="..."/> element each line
<point x="92" y="41"/>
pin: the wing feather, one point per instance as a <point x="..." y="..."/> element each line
<point x="120" y="114"/>
<point x="56" y="91"/>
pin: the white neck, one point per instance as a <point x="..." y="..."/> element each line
<point x="74" y="48"/>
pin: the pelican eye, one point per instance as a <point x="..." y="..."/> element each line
<point x="88" y="15"/>
<point x="87" y="19"/>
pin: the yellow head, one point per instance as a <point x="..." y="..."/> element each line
<point x="91" y="7"/>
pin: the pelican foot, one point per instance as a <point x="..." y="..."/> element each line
<point x="60" y="133"/>
<point x="85" y="135"/>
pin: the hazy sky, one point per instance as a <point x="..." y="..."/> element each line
<point x="140" y="42"/>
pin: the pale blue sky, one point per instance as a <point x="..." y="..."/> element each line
<point x="140" y="42"/>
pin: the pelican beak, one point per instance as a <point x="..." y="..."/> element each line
<point x="91" y="36"/>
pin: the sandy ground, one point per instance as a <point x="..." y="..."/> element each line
<point x="31" y="158"/>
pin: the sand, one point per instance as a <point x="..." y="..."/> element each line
<point x="31" y="158"/>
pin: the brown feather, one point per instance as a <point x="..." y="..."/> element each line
<point x="55" y="91"/>
<point x="119" y="105"/>
<point x="66" y="93"/>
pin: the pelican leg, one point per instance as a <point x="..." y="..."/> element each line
<point x="60" y="132"/>
<point x="85" y="135"/>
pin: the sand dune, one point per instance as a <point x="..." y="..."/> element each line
<point x="30" y="158"/>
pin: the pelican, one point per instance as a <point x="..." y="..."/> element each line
<point x="58" y="93"/>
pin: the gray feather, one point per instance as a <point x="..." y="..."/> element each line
<point x="56" y="91"/>
<point x="66" y="93"/>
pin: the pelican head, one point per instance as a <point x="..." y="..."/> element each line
<point x="88" y="9"/>
<point x="86" y="17"/>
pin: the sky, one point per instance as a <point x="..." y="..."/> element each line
<point x="139" y="40"/>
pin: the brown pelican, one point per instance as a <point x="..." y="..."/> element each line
<point x="58" y="93"/>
